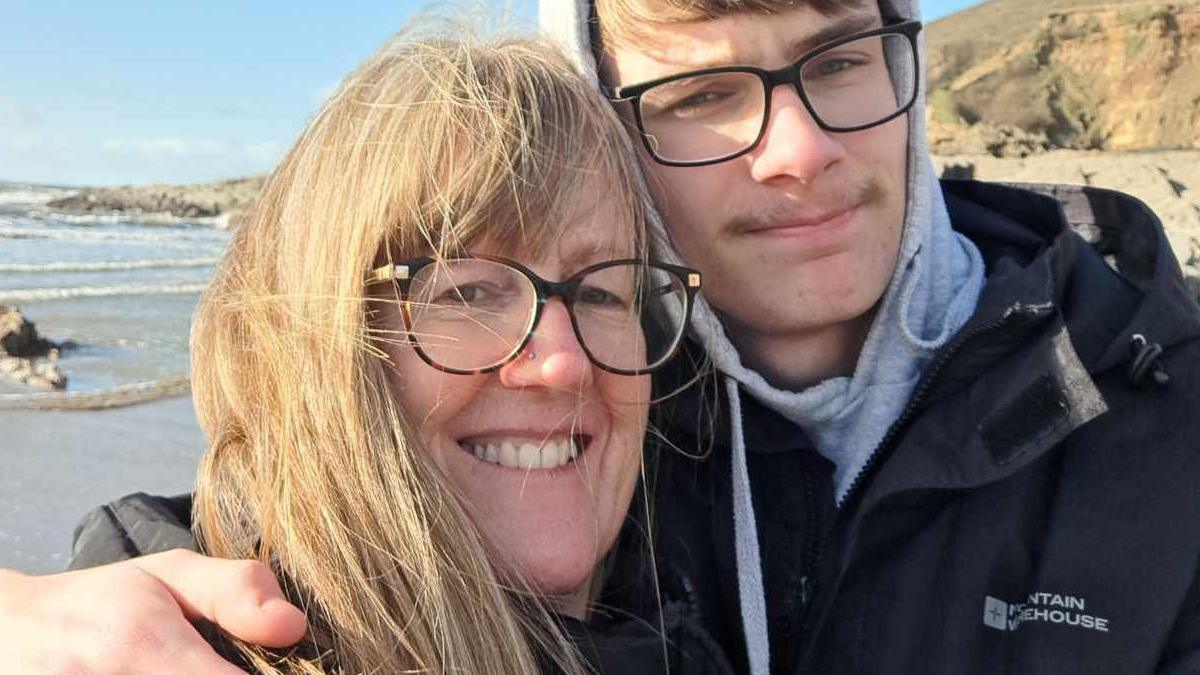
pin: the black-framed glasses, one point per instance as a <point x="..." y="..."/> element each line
<point x="716" y="114"/>
<point x="474" y="314"/>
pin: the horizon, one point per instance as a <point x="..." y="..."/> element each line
<point x="139" y="93"/>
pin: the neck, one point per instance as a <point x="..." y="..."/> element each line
<point x="800" y="359"/>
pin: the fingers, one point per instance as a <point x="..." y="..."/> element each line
<point x="101" y="621"/>
<point x="241" y="596"/>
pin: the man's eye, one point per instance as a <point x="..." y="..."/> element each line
<point x="833" y="65"/>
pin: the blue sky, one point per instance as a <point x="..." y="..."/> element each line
<point x="136" y="92"/>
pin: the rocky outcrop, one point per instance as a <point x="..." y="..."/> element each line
<point x="224" y="201"/>
<point x="27" y="357"/>
<point x="1116" y="76"/>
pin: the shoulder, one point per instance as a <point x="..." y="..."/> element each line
<point x="132" y="526"/>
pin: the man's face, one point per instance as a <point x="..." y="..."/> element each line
<point x="801" y="235"/>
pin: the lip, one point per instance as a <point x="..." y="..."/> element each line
<point x="805" y="225"/>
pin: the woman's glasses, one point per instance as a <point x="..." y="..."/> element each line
<point x="715" y="114"/>
<point x="473" y="314"/>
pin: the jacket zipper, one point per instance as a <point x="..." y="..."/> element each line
<point x="809" y="587"/>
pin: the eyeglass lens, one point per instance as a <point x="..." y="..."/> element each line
<point x="714" y="115"/>
<point x="473" y="314"/>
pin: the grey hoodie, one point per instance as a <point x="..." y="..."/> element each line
<point x="933" y="291"/>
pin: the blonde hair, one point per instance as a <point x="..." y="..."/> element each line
<point x="312" y="468"/>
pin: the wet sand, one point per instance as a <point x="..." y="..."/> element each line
<point x="56" y="466"/>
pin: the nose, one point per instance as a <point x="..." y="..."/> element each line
<point x="553" y="358"/>
<point x="793" y="146"/>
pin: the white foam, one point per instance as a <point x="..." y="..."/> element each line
<point x="35" y="294"/>
<point x="10" y="231"/>
<point x="33" y="195"/>
<point x="107" y="266"/>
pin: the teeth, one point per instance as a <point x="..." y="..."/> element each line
<point x="526" y="455"/>
<point x="508" y="454"/>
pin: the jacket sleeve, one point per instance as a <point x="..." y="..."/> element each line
<point x="132" y="526"/>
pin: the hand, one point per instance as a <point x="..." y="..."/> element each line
<point x="134" y="616"/>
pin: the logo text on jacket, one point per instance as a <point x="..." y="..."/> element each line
<point x="1053" y="608"/>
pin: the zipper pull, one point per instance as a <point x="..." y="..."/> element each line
<point x="806" y="592"/>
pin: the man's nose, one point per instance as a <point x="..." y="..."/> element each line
<point x="793" y="146"/>
<point x="553" y="357"/>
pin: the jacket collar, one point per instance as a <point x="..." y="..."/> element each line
<point x="1019" y="376"/>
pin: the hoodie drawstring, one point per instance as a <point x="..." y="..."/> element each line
<point x="751" y="596"/>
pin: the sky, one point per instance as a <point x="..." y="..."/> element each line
<point x="121" y="92"/>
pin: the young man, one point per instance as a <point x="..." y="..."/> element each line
<point x="949" y="436"/>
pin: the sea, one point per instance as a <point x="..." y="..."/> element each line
<point x="122" y="289"/>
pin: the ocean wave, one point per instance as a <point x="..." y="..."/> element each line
<point x="33" y="195"/>
<point x="107" y="266"/>
<point x="36" y="294"/>
<point x="10" y="231"/>
<point x="114" y="397"/>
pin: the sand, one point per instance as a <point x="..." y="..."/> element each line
<point x="56" y="466"/>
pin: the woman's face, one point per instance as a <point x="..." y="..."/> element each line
<point x="552" y="525"/>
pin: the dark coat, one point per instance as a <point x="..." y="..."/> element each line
<point x="611" y="642"/>
<point x="1036" y="509"/>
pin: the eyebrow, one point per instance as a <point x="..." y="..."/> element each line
<point x="849" y="25"/>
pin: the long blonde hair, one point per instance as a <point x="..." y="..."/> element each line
<point x="312" y="468"/>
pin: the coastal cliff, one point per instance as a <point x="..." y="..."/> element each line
<point x="1016" y="77"/>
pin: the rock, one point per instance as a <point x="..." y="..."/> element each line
<point x="224" y="201"/>
<point x="19" y="337"/>
<point x="34" y="372"/>
<point x="27" y="357"/>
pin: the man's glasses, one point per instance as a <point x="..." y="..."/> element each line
<point x="474" y="314"/>
<point x="715" y="114"/>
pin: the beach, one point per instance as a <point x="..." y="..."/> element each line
<point x="57" y="465"/>
<point x="120" y="289"/>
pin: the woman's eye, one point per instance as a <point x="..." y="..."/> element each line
<point x="466" y="293"/>
<point x="599" y="296"/>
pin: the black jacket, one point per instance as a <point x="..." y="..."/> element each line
<point x="613" y="641"/>
<point x="1036" y="509"/>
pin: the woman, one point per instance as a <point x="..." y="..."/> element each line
<point x="422" y="366"/>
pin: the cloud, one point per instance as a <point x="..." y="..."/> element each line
<point x="267" y="152"/>
<point x="171" y="147"/>
<point x="179" y="147"/>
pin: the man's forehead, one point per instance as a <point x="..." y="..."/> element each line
<point x="736" y="39"/>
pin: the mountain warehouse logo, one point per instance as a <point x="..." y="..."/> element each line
<point x="1066" y="610"/>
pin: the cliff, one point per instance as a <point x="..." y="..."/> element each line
<point x="1014" y="77"/>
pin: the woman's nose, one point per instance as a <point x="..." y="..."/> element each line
<point x="553" y="357"/>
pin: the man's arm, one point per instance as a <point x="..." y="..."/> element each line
<point x="136" y="615"/>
